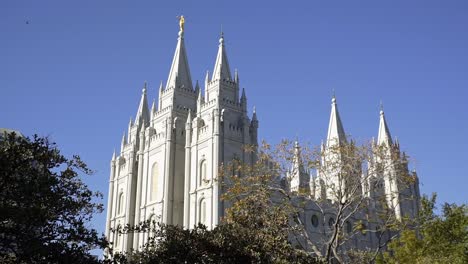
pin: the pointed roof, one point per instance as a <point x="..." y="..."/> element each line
<point x="297" y="166"/>
<point x="153" y="106"/>
<point x="221" y="69"/>
<point x="189" y="117"/>
<point x="384" y="133"/>
<point x="336" y="132"/>
<point x="143" y="112"/>
<point x="254" y="115"/>
<point x="179" y="75"/>
<point x="243" y="96"/>
<point x="197" y="87"/>
<point x="124" y="139"/>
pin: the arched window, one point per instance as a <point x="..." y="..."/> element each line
<point x="202" y="213"/>
<point x="203" y="177"/>
<point x="120" y="204"/>
<point x="315" y="221"/>
<point x="331" y="222"/>
<point x="154" y="190"/>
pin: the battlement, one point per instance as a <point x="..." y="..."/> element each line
<point x="208" y="104"/>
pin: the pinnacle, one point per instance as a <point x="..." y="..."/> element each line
<point x="336" y="132"/>
<point x="221" y="69"/>
<point x="179" y="74"/>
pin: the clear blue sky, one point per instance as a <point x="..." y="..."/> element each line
<point x="76" y="71"/>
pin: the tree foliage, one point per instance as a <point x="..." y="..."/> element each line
<point x="45" y="208"/>
<point x="224" y="244"/>
<point x="438" y="238"/>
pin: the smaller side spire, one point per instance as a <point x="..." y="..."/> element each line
<point x="296" y="157"/>
<point x="197" y="87"/>
<point x="142" y="115"/>
<point x="123" y="143"/>
<point x="153" y="109"/>
<point x="384" y="136"/>
<point x="113" y="155"/>
<point x="221" y="69"/>
<point x="243" y="101"/>
<point x="189" y="118"/>
<point x="199" y="102"/>
<point x="299" y="179"/>
<point x="161" y="88"/>
<point x="207" y="79"/>
<point x="336" y="134"/>
<point x="130" y="123"/>
<point x="254" y="115"/>
<point x="153" y="106"/>
<point x="236" y="76"/>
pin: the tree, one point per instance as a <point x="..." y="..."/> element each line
<point x="438" y="239"/>
<point x="224" y="244"/>
<point x="45" y="208"/>
<point x="260" y="201"/>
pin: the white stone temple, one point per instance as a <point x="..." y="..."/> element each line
<point x="170" y="155"/>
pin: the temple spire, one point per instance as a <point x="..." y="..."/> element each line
<point x="221" y="69"/>
<point x="384" y="133"/>
<point x="199" y="102"/>
<point x="297" y="162"/>
<point x="189" y="117"/>
<point x="179" y="75"/>
<point x="123" y="142"/>
<point x="142" y="115"/>
<point x="336" y="134"/>
<point x="153" y="106"/>
<point x="254" y="114"/>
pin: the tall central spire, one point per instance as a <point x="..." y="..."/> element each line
<point x="221" y="69"/>
<point x="336" y="134"/>
<point x="179" y="75"/>
<point x="384" y="133"/>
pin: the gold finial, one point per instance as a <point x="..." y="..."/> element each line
<point x="181" y="22"/>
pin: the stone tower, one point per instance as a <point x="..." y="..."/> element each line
<point x="168" y="164"/>
<point x="216" y="135"/>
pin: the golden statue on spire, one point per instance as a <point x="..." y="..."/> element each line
<point x="181" y="22"/>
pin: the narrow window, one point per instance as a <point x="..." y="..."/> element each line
<point x="120" y="204"/>
<point x="203" y="179"/>
<point x="314" y="220"/>
<point x="154" y="181"/>
<point x="202" y="212"/>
